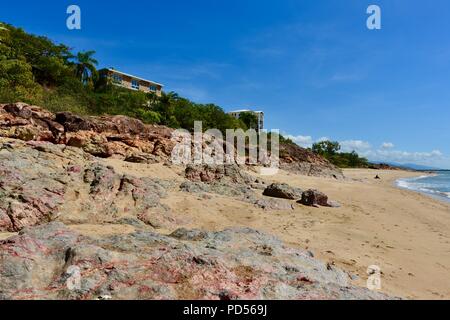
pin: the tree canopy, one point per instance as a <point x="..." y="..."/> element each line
<point x="326" y="148"/>
<point x="330" y="150"/>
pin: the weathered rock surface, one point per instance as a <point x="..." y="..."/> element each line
<point x="230" y="181"/>
<point x="284" y="191"/>
<point x="126" y="138"/>
<point x="220" y="188"/>
<point x="108" y="136"/>
<point x="44" y="263"/>
<point x="41" y="181"/>
<point x="314" y="198"/>
<point x="269" y="203"/>
<point x="302" y="161"/>
<point x="218" y="173"/>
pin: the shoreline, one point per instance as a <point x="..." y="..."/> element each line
<point x="440" y="196"/>
<point x="405" y="233"/>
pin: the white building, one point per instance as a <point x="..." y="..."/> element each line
<point x="258" y="114"/>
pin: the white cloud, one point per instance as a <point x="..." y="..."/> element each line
<point x="404" y="156"/>
<point x="385" y="153"/>
<point x="387" y="145"/>
<point x="303" y="141"/>
<point x="355" y="145"/>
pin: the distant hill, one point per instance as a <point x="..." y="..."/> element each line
<point x="411" y="166"/>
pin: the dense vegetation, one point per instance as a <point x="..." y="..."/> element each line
<point x="35" y="70"/>
<point x="330" y="151"/>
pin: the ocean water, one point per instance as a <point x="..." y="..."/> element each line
<point x="437" y="185"/>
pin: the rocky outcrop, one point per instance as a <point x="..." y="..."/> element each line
<point x="218" y="173"/>
<point x="40" y="182"/>
<point x="126" y="138"/>
<point x="303" y="161"/>
<point x="108" y="136"/>
<point x="53" y="262"/>
<point x="230" y="181"/>
<point x="284" y="191"/>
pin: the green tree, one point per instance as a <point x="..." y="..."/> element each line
<point x="326" y="148"/>
<point x="49" y="62"/>
<point x="17" y="82"/>
<point x="330" y="151"/>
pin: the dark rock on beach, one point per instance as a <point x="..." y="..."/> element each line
<point x="314" y="198"/>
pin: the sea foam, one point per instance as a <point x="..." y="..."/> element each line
<point x="437" y="185"/>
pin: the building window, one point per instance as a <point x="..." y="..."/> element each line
<point x="135" y="84"/>
<point x="153" y="88"/>
<point x="117" y="78"/>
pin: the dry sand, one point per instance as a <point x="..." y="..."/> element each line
<point x="406" y="234"/>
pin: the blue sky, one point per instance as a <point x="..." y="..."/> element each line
<point x="312" y="66"/>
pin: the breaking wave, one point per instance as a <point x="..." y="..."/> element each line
<point x="437" y="185"/>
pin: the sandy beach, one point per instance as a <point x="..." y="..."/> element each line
<point x="406" y="234"/>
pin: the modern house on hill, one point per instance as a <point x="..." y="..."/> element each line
<point x="258" y="114"/>
<point x="130" y="82"/>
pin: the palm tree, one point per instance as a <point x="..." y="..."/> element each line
<point x="167" y="98"/>
<point x="85" y="66"/>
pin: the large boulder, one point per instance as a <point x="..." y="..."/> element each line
<point x="25" y="122"/>
<point x="284" y="191"/>
<point x="314" y="198"/>
<point x="74" y="123"/>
